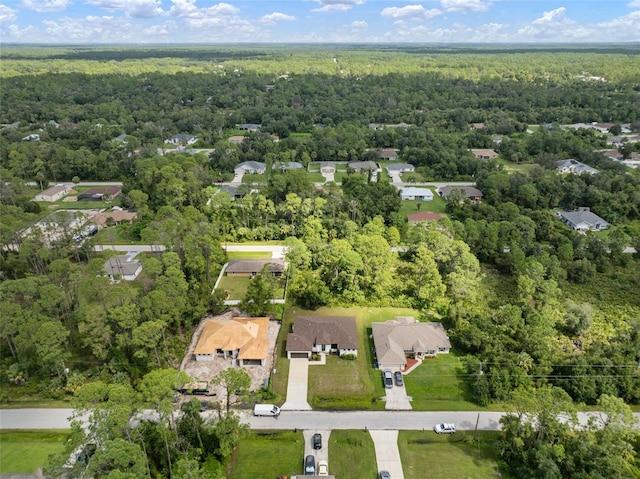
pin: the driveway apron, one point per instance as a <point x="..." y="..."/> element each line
<point x="387" y="452"/>
<point x="297" y="386"/>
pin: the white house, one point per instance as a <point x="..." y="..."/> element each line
<point x="575" y="167"/>
<point x="412" y="193"/>
<point x="122" y="267"/>
<point x="583" y="220"/>
<point x="181" y="139"/>
<point x="52" y="194"/>
<point x="255" y="167"/>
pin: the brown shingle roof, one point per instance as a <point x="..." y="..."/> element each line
<point x="116" y="216"/>
<point x="310" y="330"/>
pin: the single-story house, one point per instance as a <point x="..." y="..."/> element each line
<point x="322" y="334"/>
<point x="422" y="216"/>
<point x="52" y="194"/>
<point x="32" y="137"/>
<point x="249" y="126"/>
<point x="242" y="339"/>
<point x="388" y="154"/>
<point x="181" y="139"/>
<point x="575" y="167"/>
<point x="288" y="165"/>
<point x="412" y="193"/>
<point x="583" y="220"/>
<point x="484" y="153"/>
<point x="114" y="217"/>
<point x="401" y="167"/>
<point x="252" y="267"/>
<point x="122" y="267"/>
<point x="106" y="193"/>
<point x="612" y="154"/>
<point x="233" y="191"/>
<point x="477" y="126"/>
<point x="363" y="166"/>
<point x="396" y="339"/>
<point x="497" y="139"/>
<point x="255" y="167"/>
<point x="463" y="192"/>
<point x="236" y="139"/>
<point x="327" y="167"/>
<point x="121" y="138"/>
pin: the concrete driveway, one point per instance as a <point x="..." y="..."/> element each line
<point x="297" y="386"/>
<point x="387" y="452"/>
<point x="397" y="399"/>
<point x="320" y="454"/>
<point x="329" y="177"/>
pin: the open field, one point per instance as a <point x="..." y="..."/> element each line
<point x="449" y="456"/>
<point x="267" y="455"/>
<point x="25" y="451"/>
<point x="352" y="455"/>
<point x="437" y="205"/>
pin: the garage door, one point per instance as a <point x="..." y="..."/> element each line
<point x="299" y="355"/>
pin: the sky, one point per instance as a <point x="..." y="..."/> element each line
<point x="318" y="21"/>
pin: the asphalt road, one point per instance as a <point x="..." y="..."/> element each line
<point x="290" y="420"/>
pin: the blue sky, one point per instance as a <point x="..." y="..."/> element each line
<point x="294" y="21"/>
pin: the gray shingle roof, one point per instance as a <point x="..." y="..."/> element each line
<point x="393" y="338"/>
<point x="255" y="266"/>
<point x="310" y="330"/>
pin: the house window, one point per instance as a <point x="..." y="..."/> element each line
<point x="442" y="350"/>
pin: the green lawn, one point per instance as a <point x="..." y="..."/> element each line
<point x="437" y="205"/>
<point x="236" y="286"/>
<point x="455" y="456"/>
<point x="436" y="385"/>
<point x="25" y="451"/>
<point x="352" y="455"/>
<point x="267" y="455"/>
<point x="115" y="235"/>
<point x="249" y="255"/>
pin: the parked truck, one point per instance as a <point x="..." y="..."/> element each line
<point x="266" y="410"/>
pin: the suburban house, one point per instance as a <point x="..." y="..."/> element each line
<point x="327" y="167"/>
<point x="243" y="340"/>
<point x="252" y="267"/>
<point x="121" y="138"/>
<point x="106" y="193"/>
<point x="288" y="165"/>
<point x="107" y="218"/>
<point x="583" y="220"/>
<point x="497" y="139"/>
<point x="52" y="194"/>
<point x="255" y="167"/>
<point x="412" y="193"/>
<point x="249" y="127"/>
<point x="122" y="267"/>
<point x="403" y="337"/>
<point x="181" y="139"/>
<point x="388" y="154"/>
<point x="477" y="126"/>
<point x="32" y="137"/>
<point x="233" y="191"/>
<point x="322" y="334"/>
<point x="484" y="153"/>
<point x="463" y="192"/>
<point x="236" y="139"/>
<point x="401" y="168"/>
<point x="612" y="154"/>
<point x="360" y="166"/>
<point x="575" y="167"/>
<point x="422" y="216"/>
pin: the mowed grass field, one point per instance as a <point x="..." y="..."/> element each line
<point x="352" y="455"/>
<point x="22" y="452"/>
<point x="268" y="455"/>
<point x="458" y="456"/>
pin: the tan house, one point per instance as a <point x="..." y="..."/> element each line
<point x="461" y="192"/>
<point x="243" y="340"/>
<point x="250" y="268"/>
<point x="396" y="339"/>
<point x="484" y="153"/>
<point x="236" y="139"/>
<point x="322" y="334"/>
<point x="327" y="167"/>
<point x="114" y="217"/>
<point x="388" y="154"/>
<point x="52" y="194"/>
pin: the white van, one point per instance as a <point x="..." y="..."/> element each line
<point x="266" y="410"/>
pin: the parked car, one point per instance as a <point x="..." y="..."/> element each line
<point x="445" y="428"/>
<point x="384" y="475"/>
<point x="310" y="466"/>
<point x="317" y="441"/>
<point x="323" y="468"/>
<point x="388" y="378"/>
<point x="398" y="376"/>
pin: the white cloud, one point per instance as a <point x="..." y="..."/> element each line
<point x="183" y="8"/>
<point x="465" y="5"/>
<point x="162" y="29"/>
<point x="7" y="15"/>
<point x="634" y="4"/>
<point x="133" y="8"/>
<point x="410" y="12"/>
<point x="337" y="5"/>
<point x="625" y="28"/>
<point x="91" y="29"/>
<point x="44" y="6"/>
<point x="359" y="24"/>
<point x="274" y="17"/>
<point x="550" y="16"/>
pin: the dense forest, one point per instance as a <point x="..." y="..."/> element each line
<point x="529" y="302"/>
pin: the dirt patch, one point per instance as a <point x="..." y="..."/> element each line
<point x="207" y="370"/>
